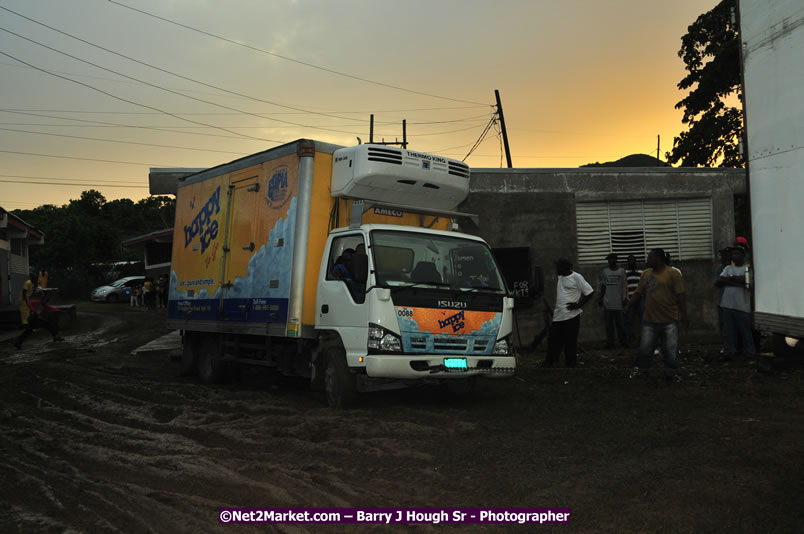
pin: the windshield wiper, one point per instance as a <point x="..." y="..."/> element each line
<point x="421" y="284"/>
<point x="477" y="289"/>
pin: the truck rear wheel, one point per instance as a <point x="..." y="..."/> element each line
<point x="189" y="355"/>
<point x="339" y="383"/>
<point x="211" y="369"/>
<point x="318" y="370"/>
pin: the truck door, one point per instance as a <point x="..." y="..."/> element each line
<point x="341" y="296"/>
<point x="240" y="242"/>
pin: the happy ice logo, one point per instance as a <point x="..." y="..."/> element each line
<point x="203" y="224"/>
<point x="278" y="193"/>
<point x="455" y="321"/>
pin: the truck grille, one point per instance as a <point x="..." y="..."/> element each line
<point x="429" y="343"/>
<point x="450" y="344"/>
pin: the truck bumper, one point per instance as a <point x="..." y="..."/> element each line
<point x="432" y="366"/>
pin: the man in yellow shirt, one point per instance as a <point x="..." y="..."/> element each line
<point x="27" y="292"/>
<point x="664" y="292"/>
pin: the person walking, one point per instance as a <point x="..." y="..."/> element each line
<point x="158" y="291"/>
<point x="27" y="293"/>
<point x="162" y="291"/>
<point x="736" y="306"/>
<point x="634" y="314"/>
<point x="572" y="292"/>
<point x="43" y="278"/>
<point x="663" y="290"/>
<point x="148" y="292"/>
<point x="612" y="299"/>
<point x="34" y="313"/>
<point x="132" y="293"/>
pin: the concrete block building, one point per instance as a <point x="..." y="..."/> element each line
<point x="583" y="214"/>
<point x="16" y="236"/>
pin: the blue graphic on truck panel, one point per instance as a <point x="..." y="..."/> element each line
<point x="260" y="296"/>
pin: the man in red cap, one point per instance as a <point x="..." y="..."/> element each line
<point x="742" y="243"/>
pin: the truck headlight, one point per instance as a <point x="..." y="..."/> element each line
<point x="502" y="347"/>
<point x="382" y="339"/>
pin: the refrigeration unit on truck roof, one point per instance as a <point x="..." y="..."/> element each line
<point x="399" y="176"/>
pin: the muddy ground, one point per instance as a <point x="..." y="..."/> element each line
<point x="95" y="439"/>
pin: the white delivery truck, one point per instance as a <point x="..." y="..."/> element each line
<point x="339" y="264"/>
<point x="772" y="39"/>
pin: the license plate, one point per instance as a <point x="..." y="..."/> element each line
<point x="455" y="363"/>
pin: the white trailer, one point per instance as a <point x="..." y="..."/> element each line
<point x="772" y="39"/>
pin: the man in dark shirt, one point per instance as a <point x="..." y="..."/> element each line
<point x="634" y="313"/>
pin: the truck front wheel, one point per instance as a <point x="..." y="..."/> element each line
<point x="460" y="386"/>
<point x="339" y="383"/>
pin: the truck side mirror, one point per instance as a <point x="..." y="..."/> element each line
<point x="360" y="267"/>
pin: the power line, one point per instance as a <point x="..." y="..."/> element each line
<point x="444" y="150"/>
<point x="170" y="72"/>
<point x="178" y="93"/>
<point x="498" y="131"/>
<point x="158" y="129"/>
<point x="226" y="112"/>
<point x="443" y="133"/>
<point x="117" y="80"/>
<point x="131" y="101"/>
<point x="73" y="184"/>
<point x="59" y="179"/>
<point x="482" y="136"/>
<point x="518" y="156"/>
<point x="49" y="125"/>
<point x="256" y="49"/>
<point x="121" y="142"/>
<point x="86" y="159"/>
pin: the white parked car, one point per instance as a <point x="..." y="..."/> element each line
<point x="117" y="291"/>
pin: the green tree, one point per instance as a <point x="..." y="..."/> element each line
<point x="710" y="51"/>
<point x="89" y="229"/>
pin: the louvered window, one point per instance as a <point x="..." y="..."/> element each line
<point x="682" y="227"/>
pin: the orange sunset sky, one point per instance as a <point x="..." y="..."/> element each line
<point x="581" y="82"/>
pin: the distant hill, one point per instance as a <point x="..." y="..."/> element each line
<point x="634" y="160"/>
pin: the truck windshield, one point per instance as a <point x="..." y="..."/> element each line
<point x="403" y="259"/>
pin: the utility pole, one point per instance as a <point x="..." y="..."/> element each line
<point x="502" y="127"/>
<point x="658" y="145"/>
